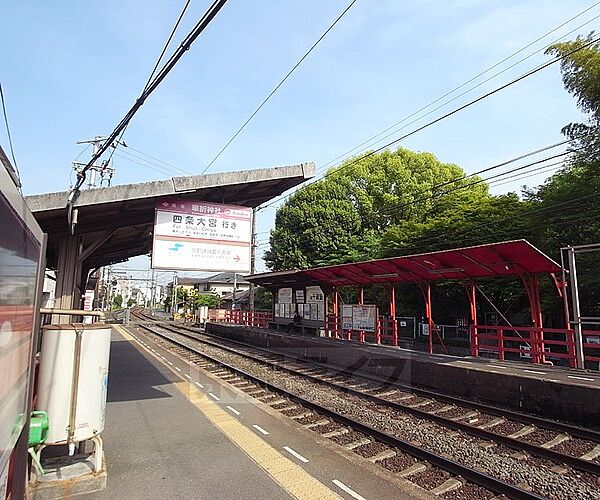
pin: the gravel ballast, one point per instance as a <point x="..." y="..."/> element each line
<point x="432" y="437"/>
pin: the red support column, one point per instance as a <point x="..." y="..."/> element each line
<point x="393" y="314"/>
<point x="533" y="292"/>
<point x="361" y="302"/>
<point x="336" y="323"/>
<point x="426" y="291"/>
<point x="326" y="315"/>
<point x="473" y="319"/>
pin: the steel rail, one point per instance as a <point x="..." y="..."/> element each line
<point x="573" y="430"/>
<point x="470" y="474"/>
<point x="533" y="449"/>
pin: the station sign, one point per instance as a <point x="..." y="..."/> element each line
<point x="199" y="236"/>
<point x="359" y="317"/>
<point x="284" y="295"/>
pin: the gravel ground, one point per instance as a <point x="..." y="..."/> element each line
<point x="430" y="478"/>
<point x="370" y="450"/>
<point x="574" y="447"/>
<point x="469" y="491"/>
<point x="539" y="436"/>
<point x="434" y="438"/>
<point x="507" y="428"/>
<point x="400" y="462"/>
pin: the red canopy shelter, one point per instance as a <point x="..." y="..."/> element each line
<point x="509" y="258"/>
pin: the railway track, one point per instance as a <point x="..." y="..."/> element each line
<point x="375" y="441"/>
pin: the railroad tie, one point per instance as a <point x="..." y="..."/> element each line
<point x="442" y="409"/>
<point x="492" y="423"/>
<point x="590" y="455"/>
<point x="301" y="415"/>
<point x="413" y="469"/>
<point x="316" y="424"/>
<point x="528" y="429"/>
<point x="356" y="444"/>
<point x="557" y="440"/>
<point x="448" y="485"/>
<point x="383" y="455"/>
<point x="335" y="433"/>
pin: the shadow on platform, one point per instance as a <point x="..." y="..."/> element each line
<point x="132" y="376"/>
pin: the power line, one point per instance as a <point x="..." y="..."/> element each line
<point x="137" y="158"/>
<point x="164" y="172"/>
<point x="449" y="101"/>
<point x="159" y="160"/>
<point x="469" y="81"/>
<point x="182" y="13"/>
<point x="208" y="16"/>
<point x="12" y="151"/>
<point x="277" y="86"/>
<point x="488" y="169"/>
<point x="467" y="105"/>
<point x="173" y="31"/>
<point x="427" y="239"/>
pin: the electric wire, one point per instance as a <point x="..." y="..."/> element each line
<point x="485" y="170"/>
<point x="444" y="104"/>
<point x="249" y="119"/>
<point x="464" y="84"/>
<point x="158" y="160"/>
<point x="205" y="20"/>
<point x="10" y="143"/>
<point x="166" y="45"/>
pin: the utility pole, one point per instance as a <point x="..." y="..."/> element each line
<point x="104" y="170"/>
<point x="252" y="259"/>
<point x="234" y="290"/>
<point x="174" y="294"/>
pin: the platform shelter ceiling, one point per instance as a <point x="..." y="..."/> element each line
<point x="507" y="258"/>
<point x="123" y="216"/>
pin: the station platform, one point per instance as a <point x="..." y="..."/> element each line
<point x="552" y="391"/>
<point x="175" y="431"/>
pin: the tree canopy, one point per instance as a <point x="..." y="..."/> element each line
<point x="343" y="217"/>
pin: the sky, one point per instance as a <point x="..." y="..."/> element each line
<point x="71" y="70"/>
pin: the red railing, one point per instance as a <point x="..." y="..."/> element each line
<point x="538" y="344"/>
<point x="386" y="330"/>
<point x="248" y="318"/>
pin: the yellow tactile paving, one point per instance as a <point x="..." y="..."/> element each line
<point x="290" y="476"/>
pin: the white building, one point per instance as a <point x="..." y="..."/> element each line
<point x="221" y="284"/>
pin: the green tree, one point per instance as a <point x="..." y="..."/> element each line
<point x="263" y="299"/>
<point x="211" y="300"/>
<point x="131" y="302"/>
<point x="581" y="77"/>
<point x="343" y="217"/>
<point x="117" y="301"/>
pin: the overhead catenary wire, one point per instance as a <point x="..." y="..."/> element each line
<point x="162" y="53"/>
<point x="289" y="73"/>
<point x="390" y="128"/>
<point x="437" y="100"/>
<point x="208" y="16"/>
<point x="437" y="195"/>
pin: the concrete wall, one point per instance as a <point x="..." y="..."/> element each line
<point x="573" y="403"/>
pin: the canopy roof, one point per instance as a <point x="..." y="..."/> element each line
<point x="507" y="258"/>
